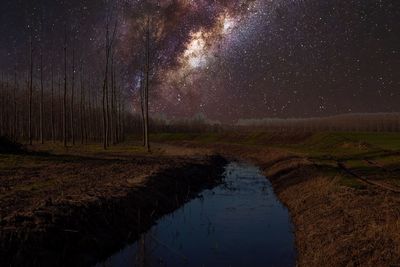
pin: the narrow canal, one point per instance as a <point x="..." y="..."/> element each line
<point x="238" y="223"/>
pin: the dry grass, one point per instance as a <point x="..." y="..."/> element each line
<point x="338" y="225"/>
<point x="339" y="221"/>
<point x="76" y="209"/>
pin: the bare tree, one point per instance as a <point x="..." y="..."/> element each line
<point x="90" y="120"/>
<point x="60" y="105"/>
<point x="142" y="99"/>
<point x="2" y="107"/>
<point x="72" y="110"/>
<point x="146" y="87"/>
<point x="108" y="47"/>
<point x="115" y="109"/>
<point x="30" y="93"/>
<point x="65" y="89"/>
<point x="113" y="120"/>
<point x="15" y="117"/>
<point x="82" y="107"/>
<point x="41" y="94"/>
<point x="105" y="85"/>
<point x="53" y="130"/>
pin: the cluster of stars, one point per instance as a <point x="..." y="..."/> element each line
<point x="241" y="58"/>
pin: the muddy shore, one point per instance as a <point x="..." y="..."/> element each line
<point x="107" y="204"/>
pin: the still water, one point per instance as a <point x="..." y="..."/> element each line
<point x="239" y="223"/>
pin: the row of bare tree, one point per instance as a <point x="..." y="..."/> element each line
<point x="60" y="102"/>
<point x="69" y="77"/>
<point x="64" y="94"/>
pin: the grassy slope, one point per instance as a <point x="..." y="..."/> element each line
<point x="340" y="220"/>
<point x="371" y="155"/>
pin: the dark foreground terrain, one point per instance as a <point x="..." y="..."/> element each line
<point x="342" y="191"/>
<point x="74" y="209"/>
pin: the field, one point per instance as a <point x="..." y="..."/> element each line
<point x="342" y="189"/>
<point x="374" y="156"/>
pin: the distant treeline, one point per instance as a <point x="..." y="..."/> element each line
<point x="196" y="124"/>
<point x="364" y="122"/>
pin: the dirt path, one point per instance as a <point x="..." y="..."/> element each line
<point x="379" y="184"/>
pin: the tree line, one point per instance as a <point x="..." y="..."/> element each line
<point x="56" y="96"/>
<point x="361" y="122"/>
<point x="60" y="106"/>
<point x="59" y="90"/>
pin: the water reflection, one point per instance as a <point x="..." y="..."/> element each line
<point x="239" y="223"/>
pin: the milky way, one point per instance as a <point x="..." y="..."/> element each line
<point x="243" y="59"/>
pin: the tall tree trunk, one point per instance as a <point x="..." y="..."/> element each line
<point x="30" y="88"/>
<point x="15" y="121"/>
<point x="146" y="91"/>
<point x="141" y="90"/>
<point x="116" y="132"/>
<point x="105" y="114"/>
<point x="82" y="113"/>
<point x="65" y="92"/>
<point x="108" y="112"/>
<point x="120" y="137"/>
<point x="123" y="121"/>
<point x="106" y="108"/>
<point x="7" y="98"/>
<point x="90" y="119"/>
<point x="2" y="107"/>
<point x="112" y="117"/>
<point x="41" y="96"/>
<point x="60" y="114"/>
<point x="53" y="130"/>
<point x="72" y="110"/>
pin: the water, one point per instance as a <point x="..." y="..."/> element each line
<point x="239" y="223"/>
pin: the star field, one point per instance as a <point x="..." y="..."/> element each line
<point x="236" y="59"/>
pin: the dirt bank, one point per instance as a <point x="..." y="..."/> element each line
<point x="72" y="211"/>
<point x="335" y="225"/>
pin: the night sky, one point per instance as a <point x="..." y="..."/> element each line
<point x="230" y="59"/>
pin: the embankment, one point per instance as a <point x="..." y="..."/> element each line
<point x="339" y="220"/>
<point x="335" y="225"/>
<point x="64" y="233"/>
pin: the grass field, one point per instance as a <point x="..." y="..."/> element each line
<point x="374" y="156"/>
<point x="325" y="179"/>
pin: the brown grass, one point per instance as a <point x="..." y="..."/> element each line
<point x="335" y="225"/>
<point x="74" y="209"/>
